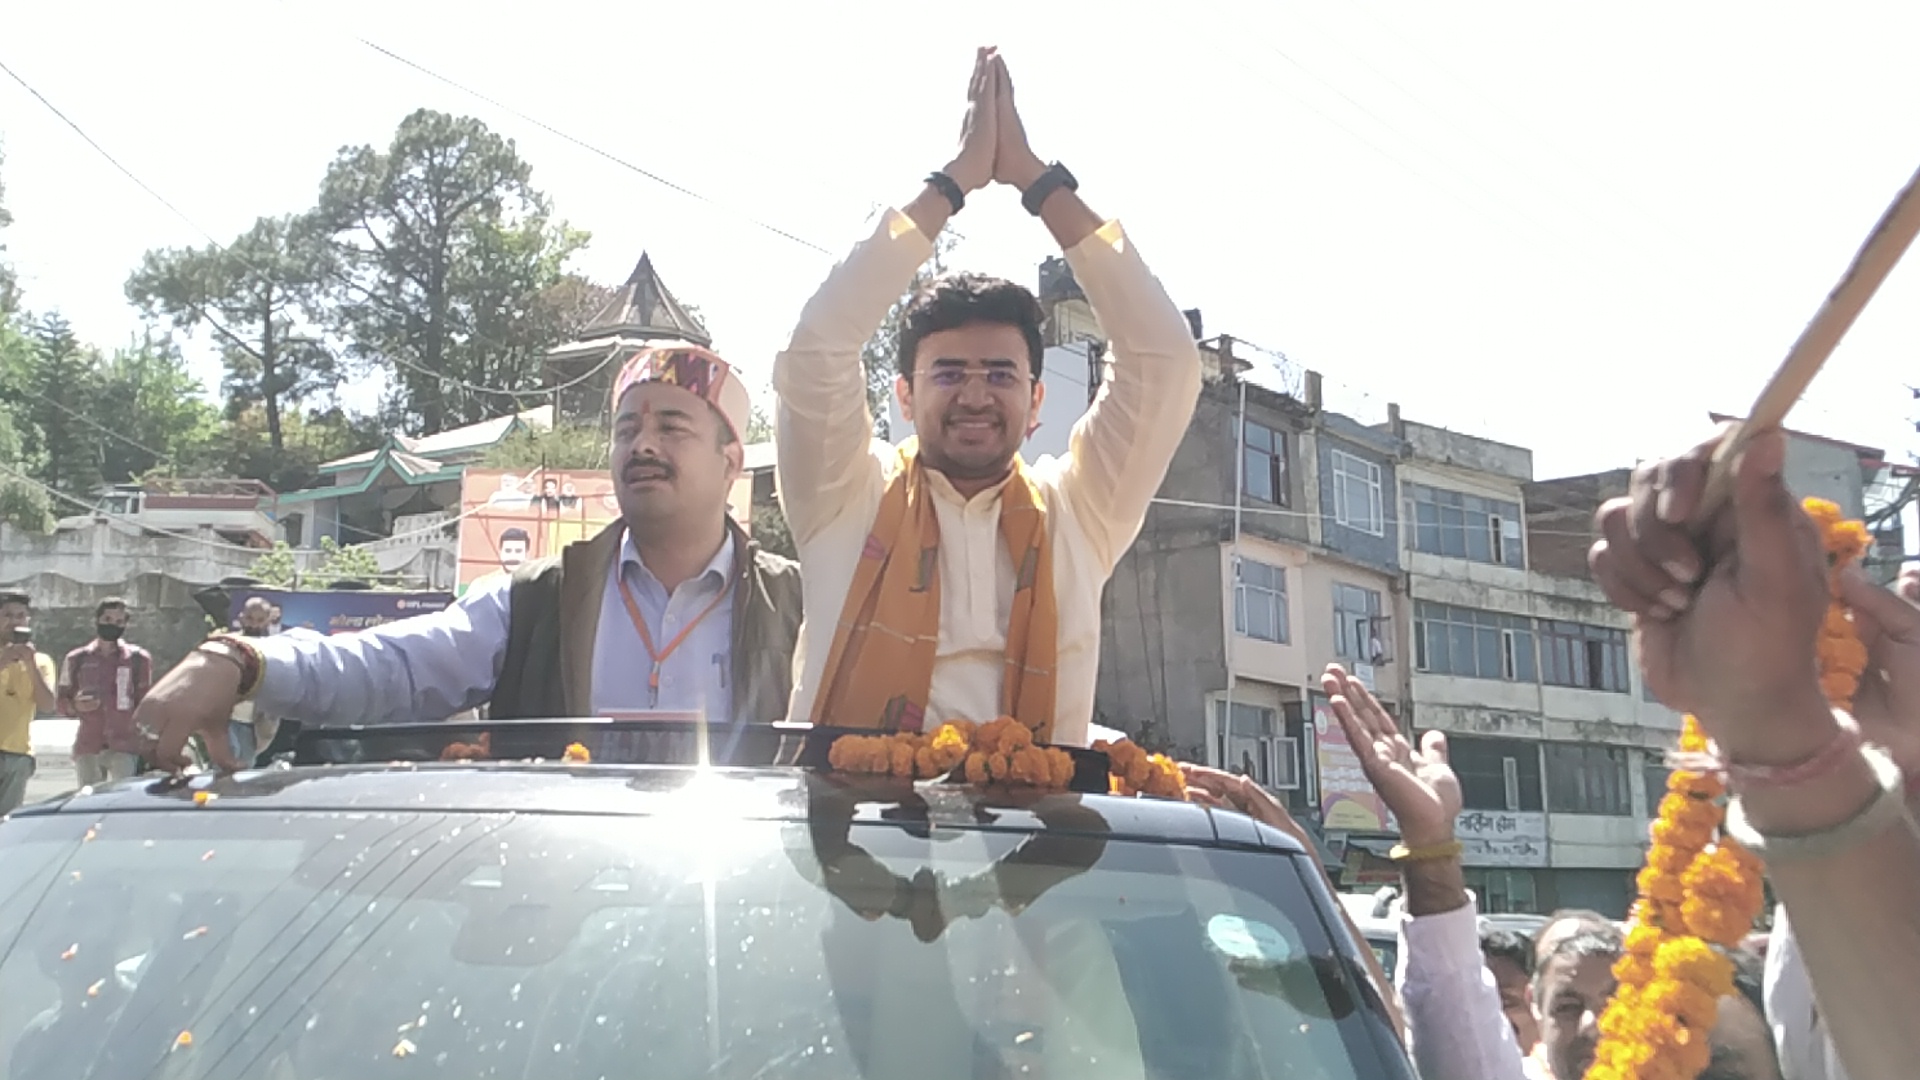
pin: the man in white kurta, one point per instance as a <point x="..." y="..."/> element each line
<point x="833" y="475"/>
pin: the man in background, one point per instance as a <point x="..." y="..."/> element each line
<point x="101" y="683"/>
<point x="250" y="730"/>
<point x="1509" y="955"/>
<point x="27" y="680"/>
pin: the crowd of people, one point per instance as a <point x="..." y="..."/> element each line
<point x="947" y="578"/>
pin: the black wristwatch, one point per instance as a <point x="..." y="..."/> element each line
<point x="948" y="186"/>
<point x="1053" y="179"/>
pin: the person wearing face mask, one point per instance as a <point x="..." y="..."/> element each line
<point x="102" y="683"/>
<point x="672" y="607"/>
<point x="946" y="578"/>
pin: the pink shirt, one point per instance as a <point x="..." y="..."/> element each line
<point x="117" y="678"/>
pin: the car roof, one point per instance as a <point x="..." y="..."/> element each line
<point x="775" y="793"/>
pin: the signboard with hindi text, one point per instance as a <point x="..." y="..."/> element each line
<point x="1502" y="838"/>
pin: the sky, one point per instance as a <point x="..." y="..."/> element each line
<point x="1576" y="228"/>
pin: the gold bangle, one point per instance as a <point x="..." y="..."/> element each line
<point x="1401" y="853"/>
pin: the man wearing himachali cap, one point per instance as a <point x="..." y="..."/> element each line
<point x="672" y="607"/>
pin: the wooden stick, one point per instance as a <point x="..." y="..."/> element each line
<point x="1871" y="265"/>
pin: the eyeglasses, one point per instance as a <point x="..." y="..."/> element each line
<point x="998" y="378"/>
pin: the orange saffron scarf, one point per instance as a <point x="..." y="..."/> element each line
<point x="880" y="671"/>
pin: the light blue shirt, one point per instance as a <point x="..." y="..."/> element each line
<point x="433" y="666"/>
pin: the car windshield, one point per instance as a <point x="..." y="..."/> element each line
<point x="328" y="946"/>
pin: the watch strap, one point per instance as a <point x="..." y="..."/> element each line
<point x="948" y="186"/>
<point x="1055" y="178"/>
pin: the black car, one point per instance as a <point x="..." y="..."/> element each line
<point x="374" y="910"/>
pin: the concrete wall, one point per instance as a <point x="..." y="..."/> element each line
<point x="1158" y="657"/>
<point x="1466" y="455"/>
<point x="1337" y="432"/>
<point x="165" y="620"/>
<point x="110" y="553"/>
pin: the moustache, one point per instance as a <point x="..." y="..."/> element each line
<point x="954" y="416"/>
<point x="638" y="469"/>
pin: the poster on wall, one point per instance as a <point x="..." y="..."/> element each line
<point x="508" y="517"/>
<point x="333" y="611"/>
<point x="1347" y="801"/>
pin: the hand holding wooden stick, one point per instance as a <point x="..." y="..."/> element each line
<point x="1870" y="267"/>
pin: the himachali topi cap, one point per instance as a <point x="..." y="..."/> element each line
<point x="694" y="369"/>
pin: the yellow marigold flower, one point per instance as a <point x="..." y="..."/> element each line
<point x="1661" y="885"/>
<point x="1692" y="962"/>
<point x="1644" y="940"/>
<point x="578" y="753"/>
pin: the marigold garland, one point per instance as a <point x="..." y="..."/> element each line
<point x="1000" y="752"/>
<point x="1700" y="888"/>
<point x="1136" y="772"/>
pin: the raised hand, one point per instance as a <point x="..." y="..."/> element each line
<point x="1418" y="785"/>
<point x="1726" y="612"/>
<point x="1014" y="162"/>
<point x="972" y="168"/>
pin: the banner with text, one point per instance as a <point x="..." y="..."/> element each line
<point x="1347" y="801"/>
<point x="336" y="611"/>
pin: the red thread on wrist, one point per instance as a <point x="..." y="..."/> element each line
<point x="1844" y="744"/>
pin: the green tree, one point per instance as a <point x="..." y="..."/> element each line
<point x="259" y="296"/>
<point x="241" y="447"/>
<point x="759" y="426"/>
<point x="566" y="445"/>
<point x="280" y="568"/>
<point x="276" y="568"/>
<point x="61" y="384"/>
<point x="574" y="301"/>
<point x="9" y="284"/>
<point x="342" y="563"/>
<point x="158" y="411"/>
<point x="881" y="349"/>
<point x="23" y="503"/>
<point x="447" y="255"/>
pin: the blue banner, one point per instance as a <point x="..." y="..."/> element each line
<point x="336" y="611"/>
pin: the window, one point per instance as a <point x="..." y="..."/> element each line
<point x="1584" y="657"/>
<point x="1583" y="779"/>
<point x="1465" y="526"/>
<point x="1450" y="640"/>
<point x="1260" y="600"/>
<point x="1356" y="494"/>
<point x="1496" y="774"/>
<point x="1258" y="745"/>
<point x="1503" y="892"/>
<point x="1655" y="772"/>
<point x="1264" y="472"/>
<point x="1359" y="630"/>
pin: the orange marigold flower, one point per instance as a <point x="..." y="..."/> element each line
<point x="1633" y="970"/>
<point x="1661" y="885"/>
<point x="578" y="753"/>
<point x="1693" y="962"/>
